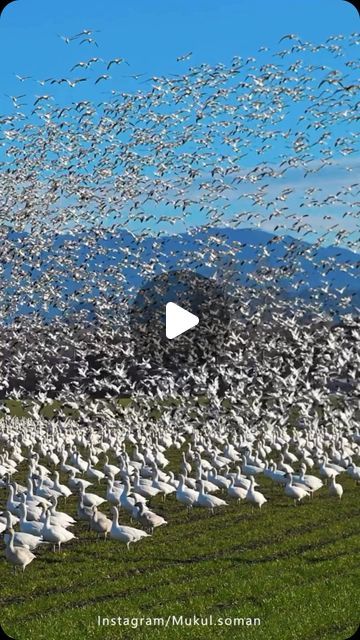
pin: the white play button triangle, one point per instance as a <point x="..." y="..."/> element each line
<point x="178" y="320"/>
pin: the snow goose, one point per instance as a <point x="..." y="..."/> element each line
<point x="240" y="480"/>
<point x="208" y="501"/>
<point x="56" y="534"/>
<point x="312" y="482"/>
<point x="43" y="493"/>
<point x="17" y="556"/>
<point x="185" y="466"/>
<point x="236" y="492"/>
<point x="33" y="527"/>
<point x="61" y="488"/>
<point x="220" y="481"/>
<point x="94" y="474"/>
<point x="335" y="488"/>
<point x="113" y="492"/>
<point x="186" y="496"/>
<point x="84" y="513"/>
<point x="254" y="497"/>
<point x="126" y="501"/>
<point x="353" y="472"/>
<point x="67" y="468"/>
<point x="91" y="499"/>
<point x="274" y="474"/>
<point x="288" y="456"/>
<point x="162" y="486"/>
<point x="332" y="465"/>
<point x="145" y="490"/>
<point x="287" y="468"/>
<point x="125" y="534"/>
<point x="295" y="492"/>
<point x="110" y="469"/>
<point x="21" y="539"/>
<point x="147" y="518"/>
<point x="79" y="462"/>
<point x="250" y="469"/>
<point x="12" y="505"/>
<point x="77" y="483"/>
<point x="99" y="522"/>
<point x="60" y="517"/>
<point x="326" y="471"/>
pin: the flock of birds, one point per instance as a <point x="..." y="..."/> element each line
<point x="98" y="194"/>
<point x="215" y="460"/>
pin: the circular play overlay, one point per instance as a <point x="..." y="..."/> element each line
<point x="196" y="294"/>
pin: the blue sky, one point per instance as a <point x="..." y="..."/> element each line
<point x="152" y="33"/>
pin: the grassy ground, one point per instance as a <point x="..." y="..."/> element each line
<point x="295" y="568"/>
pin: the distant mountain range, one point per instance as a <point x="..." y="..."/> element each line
<point x="300" y="268"/>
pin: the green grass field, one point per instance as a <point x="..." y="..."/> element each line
<point x="295" y="568"/>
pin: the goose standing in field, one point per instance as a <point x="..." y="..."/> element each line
<point x="83" y="513"/>
<point x="99" y="522"/>
<point x="236" y="492"/>
<point x="288" y="456"/>
<point x="148" y="519"/>
<point x="94" y="474"/>
<point x="297" y="493"/>
<point x="254" y="497"/>
<point x="123" y="533"/>
<point x="326" y="471"/>
<point x="144" y="489"/>
<point x="287" y="468"/>
<point x="61" y="488"/>
<point x="56" y="534"/>
<point x="17" y="556"/>
<point x="164" y="487"/>
<point x="110" y="469"/>
<point x="185" y="495"/>
<point x="60" y="517"/>
<point x="274" y="474"/>
<point x="22" y="539"/>
<point x="113" y="492"/>
<point x="76" y="484"/>
<point x="208" y="501"/>
<point x="126" y="500"/>
<point x="12" y="505"/>
<point x="67" y="468"/>
<point x="91" y="499"/>
<point x="185" y="466"/>
<point x="219" y="480"/>
<point x="354" y="472"/>
<point x="311" y="482"/>
<point x="250" y="469"/>
<point x="34" y="527"/>
<point x="240" y="480"/>
<point x="335" y="488"/>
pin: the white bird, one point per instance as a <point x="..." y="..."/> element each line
<point x="33" y="527"/>
<point x="295" y="492"/>
<point x="91" y="499"/>
<point x="236" y="492"/>
<point x="17" y="556"/>
<point x="61" y="488"/>
<point x="123" y="533"/>
<point x="335" y="488"/>
<point x="94" y="474"/>
<point x="186" y="496"/>
<point x="206" y="500"/>
<point x="254" y="497"/>
<point x="22" y="539"/>
<point x="99" y="522"/>
<point x="56" y="534"/>
<point x="147" y="518"/>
